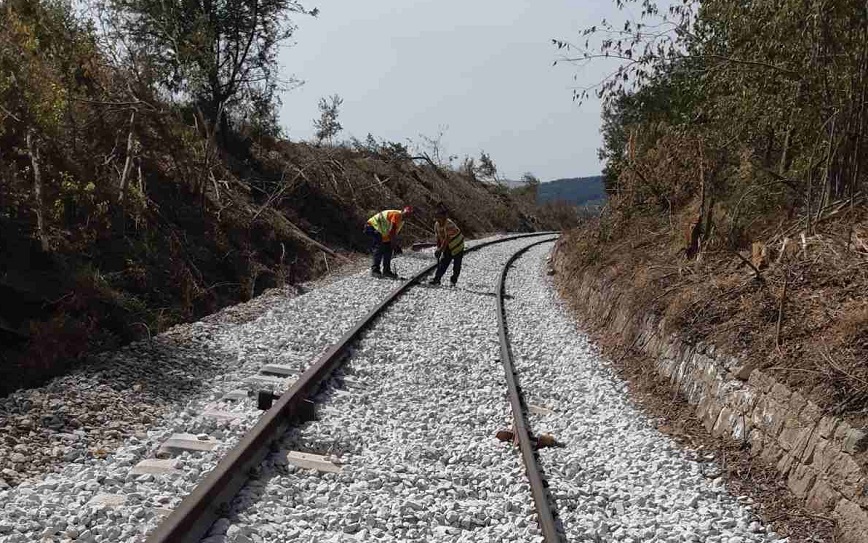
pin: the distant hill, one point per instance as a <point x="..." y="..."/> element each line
<point x="582" y="191"/>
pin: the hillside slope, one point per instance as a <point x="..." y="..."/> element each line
<point x="122" y="215"/>
<point x="581" y="191"/>
<point x="279" y="213"/>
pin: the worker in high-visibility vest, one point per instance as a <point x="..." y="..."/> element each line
<point x="450" y="246"/>
<point x="383" y="229"/>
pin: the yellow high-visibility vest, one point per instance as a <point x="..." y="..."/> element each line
<point x="449" y="233"/>
<point x="383" y="221"/>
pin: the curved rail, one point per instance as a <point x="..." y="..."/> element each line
<point x="537" y="485"/>
<point x="211" y="497"/>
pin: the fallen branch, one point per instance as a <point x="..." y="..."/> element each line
<point x="709" y="300"/>
<point x="786" y="368"/>
<point x="803" y="515"/>
<point x="830" y="210"/>
<point x="304" y="237"/>
<point x="9" y="114"/>
<point x="276" y="195"/>
<point x="437" y="169"/>
<point x="378" y="183"/>
<point x="668" y="290"/>
<point x="828" y="357"/>
<point x="749" y="263"/>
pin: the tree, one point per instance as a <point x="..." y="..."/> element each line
<point x="530" y="180"/>
<point x="394" y="151"/>
<point x="468" y="167"/>
<point x="530" y="188"/>
<point x="432" y="149"/>
<point x="750" y="107"/>
<point x="220" y="55"/>
<point x="669" y="98"/>
<point x="327" y="126"/>
<point x="45" y="54"/>
<point x="486" y="168"/>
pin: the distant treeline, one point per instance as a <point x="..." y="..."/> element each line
<point x="581" y="191"/>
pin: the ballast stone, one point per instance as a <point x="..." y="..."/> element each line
<point x="539" y="410"/>
<point x="413" y="437"/>
<point x="176" y="378"/>
<point x="268" y="381"/>
<point x="629" y="471"/>
<point x="107" y="500"/>
<point x="222" y="415"/>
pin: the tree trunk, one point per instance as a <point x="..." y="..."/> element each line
<point x="784" y="163"/>
<point x="860" y="129"/>
<point x="33" y="152"/>
<point x="826" y="185"/>
<point x="694" y="231"/>
<point x="129" y="161"/>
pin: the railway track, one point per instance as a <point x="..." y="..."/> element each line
<point x="191" y="521"/>
<point x="539" y="487"/>
<point x="388" y="435"/>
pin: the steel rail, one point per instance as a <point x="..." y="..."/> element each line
<point x="211" y="497"/>
<point x="538" y="489"/>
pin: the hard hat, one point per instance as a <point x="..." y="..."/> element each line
<point x="408" y="210"/>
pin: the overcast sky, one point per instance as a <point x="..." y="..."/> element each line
<point x="482" y="68"/>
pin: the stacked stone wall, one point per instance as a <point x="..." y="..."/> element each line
<point x="822" y="458"/>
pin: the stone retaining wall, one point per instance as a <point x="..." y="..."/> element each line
<point x="823" y="459"/>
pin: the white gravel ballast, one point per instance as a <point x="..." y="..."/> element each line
<point x="408" y="423"/>
<point x="145" y="394"/>
<point x="411" y="424"/>
<point x="616" y="478"/>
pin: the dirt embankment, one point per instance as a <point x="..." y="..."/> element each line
<point x="797" y="307"/>
<point x="192" y="238"/>
<point x="795" y="310"/>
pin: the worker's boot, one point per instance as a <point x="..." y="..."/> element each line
<point x="434" y="281"/>
<point x="375" y="272"/>
<point x="390" y="274"/>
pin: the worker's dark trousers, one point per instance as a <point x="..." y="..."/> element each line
<point x="382" y="251"/>
<point x="443" y="265"/>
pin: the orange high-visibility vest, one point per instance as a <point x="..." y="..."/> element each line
<point x="449" y="235"/>
<point x="383" y="221"/>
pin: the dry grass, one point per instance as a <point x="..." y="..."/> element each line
<point x="851" y="330"/>
<point x="821" y="346"/>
